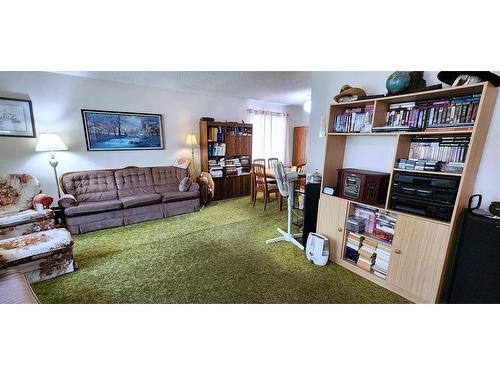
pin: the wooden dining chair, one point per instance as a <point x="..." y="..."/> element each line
<point x="252" y="178"/>
<point x="262" y="185"/>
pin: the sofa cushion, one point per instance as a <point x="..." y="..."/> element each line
<point x="134" y="181"/>
<point x="90" y="186"/>
<point x="17" y="248"/>
<point x="167" y="179"/>
<point x="93" y="207"/>
<point x="15" y="288"/>
<point x="185" y="184"/>
<point x="24" y="217"/>
<point x="140" y="200"/>
<point x="176" y="196"/>
<point x="67" y="200"/>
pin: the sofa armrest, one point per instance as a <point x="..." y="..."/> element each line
<point x="67" y="200"/>
<point x="194" y="187"/>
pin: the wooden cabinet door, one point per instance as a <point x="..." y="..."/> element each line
<point x="246" y="145"/>
<point x="418" y="255"/>
<point x="299" y="154"/>
<point x="230" y="144"/>
<point x="332" y="214"/>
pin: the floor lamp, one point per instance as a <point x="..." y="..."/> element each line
<point x="51" y="142"/>
<point x="191" y="140"/>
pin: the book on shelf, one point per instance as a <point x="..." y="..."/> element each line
<point x="364" y="264"/>
<point x="299" y="201"/>
<point x="352" y="247"/>
<point x="368" y="214"/>
<point x="216" y="149"/>
<point x="354" y="120"/>
<point x="436" y="153"/>
<point x="458" y="112"/>
<point x="366" y="253"/>
<point x="452" y="148"/>
<point x="379" y="273"/>
<point x="379" y="223"/>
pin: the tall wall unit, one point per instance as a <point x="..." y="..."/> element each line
<point x="237" y="140"/>
<point x="421" y="246"/>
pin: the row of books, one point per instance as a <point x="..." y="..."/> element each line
<point x="379" y="223"/>
<point x="368" y="254"/>
<point x="215" y="134"/>
<point x="382" y="258"/>
<point x="298" y="201"/>
<point x="354" y="120"/>
<point x="233" y="167"/>
<point x="240" y="132"/>
<point x="444" y="149"/>
<point x="454" y="112"/>
<point x="216" y="149"/>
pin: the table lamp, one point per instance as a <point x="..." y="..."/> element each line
<point x="51" y="142"/>
<point x="191" y="140"/>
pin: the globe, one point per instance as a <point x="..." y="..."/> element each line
<point x="398" y="82"/>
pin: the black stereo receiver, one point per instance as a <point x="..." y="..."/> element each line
<point x="425" y="195"/>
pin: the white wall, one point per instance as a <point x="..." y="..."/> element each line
<point x="57" y="100"/>
<point x="325" y="85"/>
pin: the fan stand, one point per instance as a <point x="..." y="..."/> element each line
<point x="288" y="236"/>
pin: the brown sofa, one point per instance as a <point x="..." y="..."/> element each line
<point x="100" y="199"/>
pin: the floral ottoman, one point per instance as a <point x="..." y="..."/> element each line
<point x="40" y="256"/>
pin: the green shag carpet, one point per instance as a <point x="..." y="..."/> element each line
<point x="217" y="255"/>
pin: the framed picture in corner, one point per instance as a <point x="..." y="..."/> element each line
<point x="119" y="131"/>
<point x="16" y="118"/>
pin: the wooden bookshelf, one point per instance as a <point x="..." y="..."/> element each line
<point x="422" y="246"/>
<point x="227" y="186"/>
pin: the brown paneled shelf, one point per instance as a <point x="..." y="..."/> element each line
<point x="422" y="246"/>
<point x="237" y="144"/>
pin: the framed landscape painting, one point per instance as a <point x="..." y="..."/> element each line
<point x="107" y="130"/>
<point x="16" y="118"/>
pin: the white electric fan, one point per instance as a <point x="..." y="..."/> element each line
<point x="285" y="181"/>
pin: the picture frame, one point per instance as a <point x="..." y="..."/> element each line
<point x="16" y="118"/>
<point x="122" y="131"/>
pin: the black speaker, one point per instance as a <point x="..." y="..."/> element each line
<point x="311" y="202"/>
<point x="475" y="277"/>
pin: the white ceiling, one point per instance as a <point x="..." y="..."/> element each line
<point x="274" y="87"/>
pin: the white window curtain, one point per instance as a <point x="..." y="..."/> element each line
<point x="269" y="134"/>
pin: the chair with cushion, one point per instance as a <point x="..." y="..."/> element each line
<point x="264" y="186"/>
<point x="28" y="242"/>
<point x="17" y="216"/>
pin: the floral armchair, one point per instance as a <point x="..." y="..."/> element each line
<point x="17" y="214"/>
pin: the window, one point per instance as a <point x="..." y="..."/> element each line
<point x="268" y="134"/>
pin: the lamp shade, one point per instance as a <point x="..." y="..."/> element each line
<point x="191" y="140"/>
<point x="50" y="142"/>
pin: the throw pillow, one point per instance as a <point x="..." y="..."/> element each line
<point x="185" y="184"/>
<point x="67" y="200"/>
